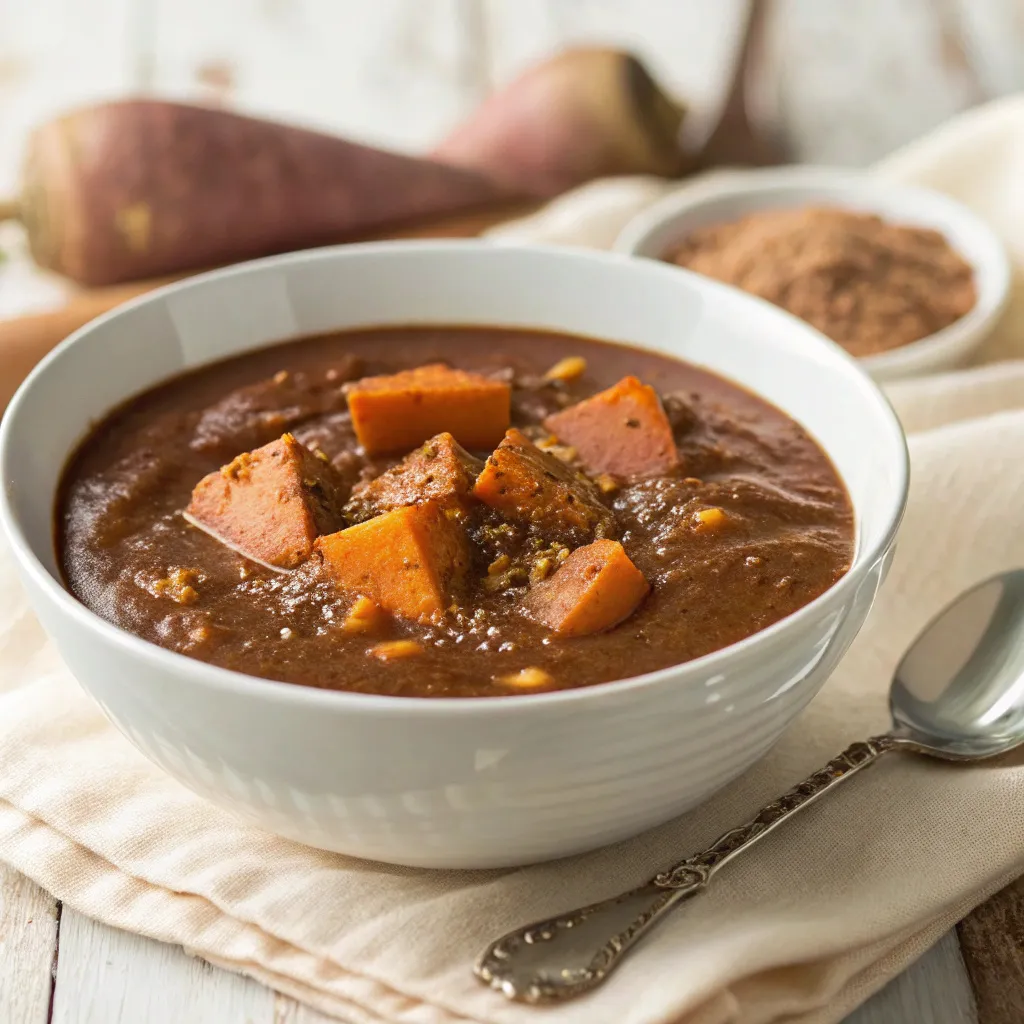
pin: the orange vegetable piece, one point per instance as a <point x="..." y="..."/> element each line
<point x="398" y="412"/>
<point x="270" y="504"/>
<point x="365" y="616"/>
<point x="396" y="650"/>
<point x="440" y="470"/>
<point x="623" y="431"/>
<point x="529" y="485"/>
<point x="527" y="678"/>
<point x="707" y="520"/>
<point x="411" y="561"/>
<point x="596" y="588"/>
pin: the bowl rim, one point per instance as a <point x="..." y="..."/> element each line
<point x="203" y="674"/>
<point x="635" y="237"/>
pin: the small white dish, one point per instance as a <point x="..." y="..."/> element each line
<point x="668" y="222"/>
<point x="454" y="783"/>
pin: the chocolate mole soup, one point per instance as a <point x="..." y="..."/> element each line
<point x="449" y="512"/>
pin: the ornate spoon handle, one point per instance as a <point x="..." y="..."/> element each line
<point x="565" y="956"/>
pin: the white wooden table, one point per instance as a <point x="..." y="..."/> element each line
<point x="855" y="79"/>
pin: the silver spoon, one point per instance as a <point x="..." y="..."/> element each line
<point x="958" y="695"/>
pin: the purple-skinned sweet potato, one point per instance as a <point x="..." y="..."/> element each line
<point x="582" y="114"/>
<point x="140" y="188"/>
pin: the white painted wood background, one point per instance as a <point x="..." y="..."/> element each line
<point x="853" y="78"/>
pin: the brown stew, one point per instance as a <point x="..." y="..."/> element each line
<point x="449" y="512"/>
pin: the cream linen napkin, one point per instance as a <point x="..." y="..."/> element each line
<point x="823" y="913"/>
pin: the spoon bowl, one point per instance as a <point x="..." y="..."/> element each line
<point x="958" y="693"/>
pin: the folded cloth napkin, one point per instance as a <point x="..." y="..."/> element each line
<point x="822" y="914"/>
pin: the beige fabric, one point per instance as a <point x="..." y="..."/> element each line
<point x="821" y="915"/>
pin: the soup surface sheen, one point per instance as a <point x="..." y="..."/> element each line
<point x="785" y="534"/>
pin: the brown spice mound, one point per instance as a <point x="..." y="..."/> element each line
<point x="867" y="284"/>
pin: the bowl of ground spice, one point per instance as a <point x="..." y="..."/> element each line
<point x="906" y="280"/>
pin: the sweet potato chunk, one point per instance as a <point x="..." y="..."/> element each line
<point x="270" y="504"/>
<point x="531" y="486"/>
<point x="597" y="587"/>
<point x="398" y="412"/>
<point x="623" y="431"/>
<point x="411" y="561"/>
<point x="440" y="470"/>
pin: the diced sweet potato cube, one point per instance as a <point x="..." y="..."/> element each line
<point x="596" y="588"/>
<point x="397" y="412"/>
<point x="623" y="431"/>
<point x="411" y="561"/>
<point x="440" y="470"/>
<point x="531" y="486"/>
<point x="270" y="504"/>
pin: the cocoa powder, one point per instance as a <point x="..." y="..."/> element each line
<point x="865" y="283"/>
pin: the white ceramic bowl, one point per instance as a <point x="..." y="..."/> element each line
<point x="453" y="783"/>
<point x="664" y="224"/>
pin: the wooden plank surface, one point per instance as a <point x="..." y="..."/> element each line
<point x="54" y="54"/>
<point x="992" y="939"/>
<point x="28" y="940"/>
<point x="393" y="72"/>
<point x="106" y="976"/>
<point x="933" y="990"/>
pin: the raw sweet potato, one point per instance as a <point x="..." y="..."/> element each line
<point x="596" y="588"/>
<point x="411" y="561"/>
<point x="581" y="114"/>
<point x="138" y="188"/>
<point x="397" y="412"/>
<point x="440" y="470"/>
<point x="270" y="504"/>
<point x="531" y="486"/>
<point x="622" y="431"/>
